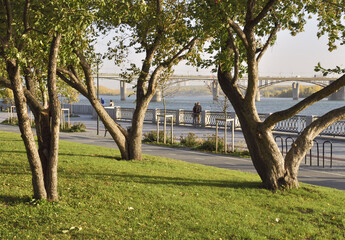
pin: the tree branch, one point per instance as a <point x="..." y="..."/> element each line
<point x="232" y="46"/>
<point x="9" y="20"/>
<point x="29" y="96"/>
<point x="292" y="111"/>
<point x="263" y="13"/>
<point x="173" y="61"/>
<point x="73" y="81"/>
<point x="5" y="82"/>
<point x="238" y="31"/>
<point x="305" y="140"/>
<point x="268" y="42"/>
<point x="87" y="73"/>
<point x="25" y="14"/>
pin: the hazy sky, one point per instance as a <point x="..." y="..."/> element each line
<point x="290" y="56"/>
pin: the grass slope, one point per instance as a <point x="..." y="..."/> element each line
<point x="158" y="198"/>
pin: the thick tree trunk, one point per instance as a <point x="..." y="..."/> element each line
<point x="135" y="134"/>
<point x="265" y="154"/>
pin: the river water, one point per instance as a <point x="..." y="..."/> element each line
<point x="266" y="105"/>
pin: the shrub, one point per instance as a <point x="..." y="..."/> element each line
<point x="190" y="140"/>
<point x="76" y="127"/>
<point x="14" y="121"/>
<point x="210" y="144"/>
<point x="152" y="137"/>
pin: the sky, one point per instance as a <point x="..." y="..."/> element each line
<point x="290" y="56"/>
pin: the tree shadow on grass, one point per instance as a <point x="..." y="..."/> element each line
<point x="91" y="155"/>
<point x="18" y="152"/>
<point x="14" y="200"/>
<point x="178" y="181"/>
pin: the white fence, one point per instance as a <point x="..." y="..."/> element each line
<point x="183" y="117"/>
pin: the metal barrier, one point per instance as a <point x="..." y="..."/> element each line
<point x="310" y="151"/>
<point x="317" y="151"/>
<point x="286" y="143"/>
<point x="323" y="153"/>
<point x="281" y="142"/>
<point x="295" y="124"/>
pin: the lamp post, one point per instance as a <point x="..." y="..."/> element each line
<point x="98" y="56"/>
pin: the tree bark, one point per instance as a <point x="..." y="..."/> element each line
<point x="265" y="154"/>
<point x="26" y="131"/>
<point x="51" y="181"/>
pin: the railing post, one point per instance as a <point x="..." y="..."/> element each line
<point x="117" y="114"/>
<point x="204" y="115"/>
<point x="156" y="112"/>
<point x="177" y="122"/>
<point x="234" y="116"/>
<point x="309" y="119"/>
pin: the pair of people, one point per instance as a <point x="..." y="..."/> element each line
<point x="111" y="103"/>
<point x="196" y="114"/>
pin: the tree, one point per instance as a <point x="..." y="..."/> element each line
<point x="242" y="31"/>
<point x="69" y="94"/>
<point x="162" y="31"/>
<point x="31" y="38"/>
<point x="7" y="96"/>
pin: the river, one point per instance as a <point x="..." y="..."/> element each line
<point x="266" y="105"/>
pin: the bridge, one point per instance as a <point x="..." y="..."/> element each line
<point x="263" y="83"/>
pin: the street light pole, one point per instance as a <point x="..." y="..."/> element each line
<point x="98" y="58"/>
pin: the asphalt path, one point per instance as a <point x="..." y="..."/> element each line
<point x="329" y="177"/>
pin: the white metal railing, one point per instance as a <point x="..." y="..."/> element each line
<point x="295" y="124"/>
<point x="336" y="129"/>
<point x="183" y="117"/>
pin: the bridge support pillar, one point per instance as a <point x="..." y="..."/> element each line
<point x="258" y="95"/>
<point x="295" y="91"/>
<point x="123" y="92"/>
<point x="215" y="90"/>
<point x="157" y="97"/>
<point x="338" y="96"/>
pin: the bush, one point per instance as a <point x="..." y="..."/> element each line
<point x="152" y="137"/>
<point x="14" y="122"/>
<point x="190" y="140"/>
<point x="76" y="127"/>
<point x="210" y="144"/>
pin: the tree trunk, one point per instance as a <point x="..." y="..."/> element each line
<point x="42" y="121"/>
<point x="55" y="112"/>
<point x="26" y="131"/>
<point x="135" y="134"/>
<point x="264" y="152"/>
<point x="116" y="131"/>
<point x="266" y="156"/>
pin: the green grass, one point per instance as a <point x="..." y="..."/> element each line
<point x="158" y="198"/>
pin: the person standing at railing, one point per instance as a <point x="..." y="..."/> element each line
<point x="198" y="110"/>
<point x="111" y="103"/>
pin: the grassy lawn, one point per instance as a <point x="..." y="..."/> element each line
<point x="158" y="198"/>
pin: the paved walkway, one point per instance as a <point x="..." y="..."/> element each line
<point x="330" y="177"/>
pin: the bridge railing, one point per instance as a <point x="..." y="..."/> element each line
<point x="183" y="117"/>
